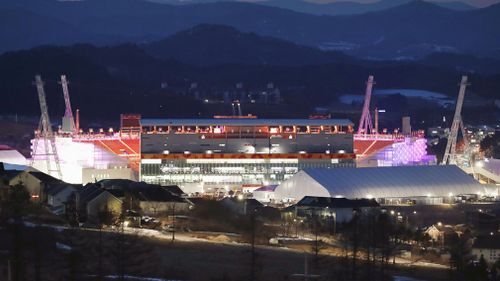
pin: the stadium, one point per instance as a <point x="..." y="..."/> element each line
<point x="225" y="152"/>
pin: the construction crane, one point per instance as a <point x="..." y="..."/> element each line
<point x="450" y="154"/>
<point x="365" y="123"/>
<point x="46" y="135"/>
<point x="68" y="122"/>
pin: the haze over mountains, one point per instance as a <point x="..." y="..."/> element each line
<point x="124" y="52"/>
<point x="409" y="31"/>
<point x="209" y="45"/>
<point x="218" y="44"/>
<point x="333" y="8"/>
<point x="130" y="77"/>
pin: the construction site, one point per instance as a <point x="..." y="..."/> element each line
<point x="232" y="152"/>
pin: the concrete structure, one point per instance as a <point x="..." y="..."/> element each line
<point x="407" y="151"/>
<point x="487" y="246"/>
<point x="210" y="153"/>
<point x="88" y="158"/>
<point x="390" y="185"/>
<point x="487" y="170"/>
<point x="406" y="128"/>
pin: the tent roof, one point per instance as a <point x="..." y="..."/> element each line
<point x="387" y="182"/>
<point x="245" y="122"/>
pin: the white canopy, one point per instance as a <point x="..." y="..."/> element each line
<point x="378" y="182"/>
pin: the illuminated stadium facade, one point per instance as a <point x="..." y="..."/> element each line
<point x="231" y="152"/>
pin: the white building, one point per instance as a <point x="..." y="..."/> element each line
<point x="387" y="183"/>
<point x="264" y="194"/>
<point x="11" y="158"/>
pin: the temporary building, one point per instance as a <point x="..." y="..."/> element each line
<point x="378" y="182"/>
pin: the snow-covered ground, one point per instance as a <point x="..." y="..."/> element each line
<point x="410" y="93"/>
<point x="188" y="237"/>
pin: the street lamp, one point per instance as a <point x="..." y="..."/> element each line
<point x="296" y="228"/>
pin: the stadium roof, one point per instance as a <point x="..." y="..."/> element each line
<point x="379" y="182"/>
<point x="245" y="122"/>
<point x="267" y="188"/>
<point x="11" y="156"/>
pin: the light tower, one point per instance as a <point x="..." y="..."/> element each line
<point x="46" y="135"/>
<point x="68" y="122"/>
<point x="365" y="123"/>
<point x="450" y="154"/>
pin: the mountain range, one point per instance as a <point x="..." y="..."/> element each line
<point x="408" y="31"/>
<point x="333" y="8"/>
<point x="211" y="45"/>
<point x="218" y="44"/>
<point x="154" y="78"/>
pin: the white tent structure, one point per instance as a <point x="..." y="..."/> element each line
<point x="378" y="182"/>
<point x="11" y="158"/>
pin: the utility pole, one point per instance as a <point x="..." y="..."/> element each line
<point x="450" y="154"/>
<point x="365" y="123"/>
<point x="46" y="134"/>
<point x="173" y="222"/>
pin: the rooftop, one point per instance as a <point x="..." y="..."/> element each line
<point x="380" y="182"/>
<point x="245" y="122"/>
<point x="269" y="188"/>
<point x="487" y="242"/>
<point x="324" y="202"/>
<point x="45" y="178"/>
